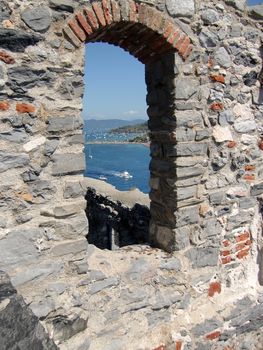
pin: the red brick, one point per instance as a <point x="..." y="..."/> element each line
<point x="188" y="52"/>
<point x="178" y="345"/>
<point x="240" y="246"/>
<point x="260" y="144"/>
<point x="5" y="57"/>
<point x="142" y="10"/>
<point x="226" y="260"/>
<point x="226" y="243"/>
<point x="225" y="253"/>
<point x="213" y="336"/>
<point x="243" y="237"/>
<point x="77" y="30"/>
<point x="92" y="19"/>
<point x="179" y="41"/>
<point x="25" y="108"/>
<point x="174" y="36"/>
<point x="217" y="106"/>
<point x="106" y="6"/>
<point x="214" y="287"/>
<point x="184" y="45"/>
<point x="231" y="144"/>
<point x="218" y="78"/>
<point x="4" y="105"/>
<point x="99" y="13"/>
<point x="168" y="29"/>
<point x="84" y="24"/>
<point x="161" y="347"/>
<point x="116" y="13"/>
<point x="210" y="63"/>
<point x="249" y="177"/>
<point x="133" y="11"/>
<point x="243" y="253"/>
<point x="250" y="167"/>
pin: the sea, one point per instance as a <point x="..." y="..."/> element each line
<point x="124" y="165"/>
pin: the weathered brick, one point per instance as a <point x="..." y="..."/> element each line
<point x="84" y="23"/>
<point x="179" y="41"/>
<point x="243" y="253"/>
<point x="250" y="167"/>
<point x="106" y="6"/>
<point x="116" y="13"/>
<point x="178" y="345"/>
<point x="213" y="335"/>
<point x="243" y="237"/>
<point x="72" y="37"/>
<point x="249" y="177"/>
<point x="231" y="144"/>
<point x="99" y="13"/>
<point x="91" y="17"/>
<point x="142" y="10"/>
<point x="184" y="45"/>
<point x="168" y="29"/>
<point x="188" y="52"/>
<point x="4" y="105"/>
<point x="226" y="260"/>
<point x="218" y="78"/>
<point x="214" y="287"/>
<point x="133" y="11"/>
<point x="77" y="30"/>
<point x="217" y="106"/>
<point x="25" y="108"/>
<point x="174" y="36"/>
<point x="7" y="58"/>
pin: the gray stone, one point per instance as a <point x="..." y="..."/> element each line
<point x="64" y="124"/>
<point x="73" y="247"/>
<point x="96" y="287"/>
<point x="222" y="57"/>
<point x="63" y="5"/>
<point x="186" y="88"/>
<point x="57" y="287"/>
<point x="186" y="193"/>
<point x="203" y="257"/>
<point x="202" y="134"/>
<point x="4" y="11"/>
<point x="185" y="134"/>
<point x="188" y="119"/>
<point x="20" y="328"/>
<point x="73" y="190"/>
<point x="17" y="40"/>
<point x="158" y="317"/>
<point x="42" y="190"/>
<point x="3" y="222"/>
<point x="178" y="8"/>
<point x="50" y="147"/>
<point x="22" y="78"/>
<point x="68" y="164"/>
<point x="238" y="4"/>
<point x="188" y="149"/>
<point x="23" y="218"/>
<point x="206" y="327"/>
<point x="12" y="160"/>
<point x="245" y="126"/>
<point x="257" y="189"/>
<point x="187" y="216"/>
<point x="172" y="264"/>
<point x="210" y="16"/>
<point x="43" y="308"/>
<point x="182" y="235"/>
<point x="69" y="209"/>
<point x="226" y="117"/>
<point x="192" y="171"/>
<point x="37" y="18"/>
<point x="15" y="135"/>
<point x="72" y="88"/>
<point x="246" y="203"/>
<point x="76" y="139"/>
<point x="65" y="327"/>
<point x="208" y="39"/>
<point x="217" y="198"/>
<point x="256" y="12"/>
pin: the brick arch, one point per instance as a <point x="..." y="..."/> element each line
<point x="139" y="29"/>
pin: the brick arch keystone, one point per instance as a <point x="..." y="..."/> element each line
<point x="140" y="29"/>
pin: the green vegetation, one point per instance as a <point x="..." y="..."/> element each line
<point x="140" y="139"/>
<point x="131" y="129"/>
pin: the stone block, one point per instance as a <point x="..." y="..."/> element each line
<point x="187" y="216"/>
<point x="12" y="160"/>
<point x="222" y="57"/>
<point x="69" y="209"/>
<point x="245" y="126"/>
<point x="68" y="164"/>
<point x="15" y="135"/>
<point x="36" y="142"/>
<point x="188" y="119"/>
<point x="37" y="18"/>
<point x="238" y="4"/>
<point x="188" y="149"/>
<point x="73" y="190"/>
<point x="64" y="124"/>
<point x="257" y="189"/>
<point x="63" y="5"/>
<point x="210" y="16"/>
<point x="17" y="40"/>
<point x="191" y="171"/>
<point x="203" y="257"/>
<point x="178" y="8"/>
<point x="186" y="88"/>
<point x="72" y="247"/>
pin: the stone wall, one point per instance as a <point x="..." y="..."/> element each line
<point x="204" y="82"/>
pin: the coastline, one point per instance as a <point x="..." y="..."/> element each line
<point x="146" y="144"/>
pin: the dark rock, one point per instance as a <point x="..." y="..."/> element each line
<point x="17" y="40"/>
<point x="63" y="5"/>
<point x="23" y="78"/>
<point x="37" y="18"/>
<point x="12" y="160"/>
<point x="15" y="135"/>
<point x="243" y="58"/>
<point x="256" y="12"/>
<point x="20" y="328"/>
<point x="250" y="78"/>
<point x="50" y="147"/>
<point x="65" y="327"/>
<point x="4" y="11"/>
<point x="257" y="189"/>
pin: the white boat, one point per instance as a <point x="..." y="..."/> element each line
<point x="102" y="177"/>
<point x="90" y="155"/>
<point x="126" y="175"/>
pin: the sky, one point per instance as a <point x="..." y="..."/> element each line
<point x="114" y="83"/>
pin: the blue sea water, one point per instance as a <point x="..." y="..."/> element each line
<point x="111" y="160"/>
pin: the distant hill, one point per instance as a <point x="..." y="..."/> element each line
<point x="108" y="124"/>
<point x="135" y="128"/>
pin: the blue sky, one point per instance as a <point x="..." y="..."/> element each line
<point x="114" y="83"/>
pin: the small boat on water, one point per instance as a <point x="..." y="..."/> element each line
<point x="102" y="177"/>
<point x="90" y="155"/>
<point x="126" y="175"/>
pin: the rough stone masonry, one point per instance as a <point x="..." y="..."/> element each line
<point x="203" y="64"/>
